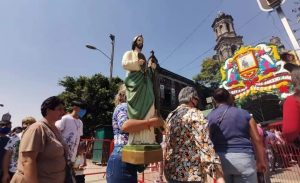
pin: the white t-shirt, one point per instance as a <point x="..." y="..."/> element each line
<point x="71" y="130"/>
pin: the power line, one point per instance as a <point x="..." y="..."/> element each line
<point x="261" y="39"/>
<point x="198" y="57"/>
<point x="195" y="59"/>
<point x="278" y="31"/>
<point x="190" y="34"/>
<point x="248" y="21"/>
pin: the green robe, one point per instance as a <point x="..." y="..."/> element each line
<point x="140" y="95"/>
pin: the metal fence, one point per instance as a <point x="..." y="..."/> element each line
<point x="285" y="165"/>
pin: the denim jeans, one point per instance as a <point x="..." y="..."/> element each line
<point x="118" y="171"/>
<point x="238" y="167"/>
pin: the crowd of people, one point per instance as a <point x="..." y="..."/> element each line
<point x="46" y="151"/>
<point x="196" y="147"/>
<point x="227" y="145"/>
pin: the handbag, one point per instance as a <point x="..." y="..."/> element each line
<point x="70" y="174"/>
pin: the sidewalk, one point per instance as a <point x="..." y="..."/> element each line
<point x="287" y="175"/>
<point x="97" y="174"/>
<point x="290" y="175"/>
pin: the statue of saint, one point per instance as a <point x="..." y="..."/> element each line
<point x="139" y="90"/>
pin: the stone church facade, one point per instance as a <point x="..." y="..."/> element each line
<point x="227" y="39"/>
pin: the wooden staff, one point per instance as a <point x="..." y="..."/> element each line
<point x="156" y="87"/>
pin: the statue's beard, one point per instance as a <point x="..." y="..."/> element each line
<point x="140" y="46"/>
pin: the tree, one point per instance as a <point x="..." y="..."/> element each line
<point x="97" y="93"/>
<point x="210" y="75"/>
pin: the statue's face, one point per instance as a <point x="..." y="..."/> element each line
<point x="140" y="42"/>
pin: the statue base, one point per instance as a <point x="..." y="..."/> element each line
<point x="142" y="154"/>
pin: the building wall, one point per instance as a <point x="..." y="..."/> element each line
<point x="170" y="85"/>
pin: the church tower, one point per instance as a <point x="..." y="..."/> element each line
<point x="227" y="40"/>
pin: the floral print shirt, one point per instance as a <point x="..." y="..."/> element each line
<point x="13" y="146"/>
<point x="118" y="119"/>
<point x="189" y="151"/>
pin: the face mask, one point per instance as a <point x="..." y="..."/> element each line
<point x="5" y="130"/>
<point x="195" y="106"/>
<point x="81" y="112"/>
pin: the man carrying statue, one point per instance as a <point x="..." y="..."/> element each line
<point x="140" y="101"/>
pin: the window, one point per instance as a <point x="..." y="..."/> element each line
<point x="221" y="27"/>
<point x="228" y="27"/>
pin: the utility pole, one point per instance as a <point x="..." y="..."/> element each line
<point x="112" y="37"/>
<point x="111" y="58"/>
<point x="288" y="30"/>
<point x="270" y="5"/>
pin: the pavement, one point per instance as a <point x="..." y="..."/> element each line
<point x="286" y="175"/>
<point x="96" y="173"/>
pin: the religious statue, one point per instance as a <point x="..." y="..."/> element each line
<point x="140" y="94"/>
<point x="140" y="99"/>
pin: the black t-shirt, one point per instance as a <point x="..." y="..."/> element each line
<point x="3" y="142"/>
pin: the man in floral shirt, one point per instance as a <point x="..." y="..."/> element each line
<point x="190" y="156"/>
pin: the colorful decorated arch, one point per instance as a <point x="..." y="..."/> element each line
<point x="254" y="70"/>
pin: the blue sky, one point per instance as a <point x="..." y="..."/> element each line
<point x="43" y="41"/>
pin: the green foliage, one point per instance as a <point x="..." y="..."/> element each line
<point x="210" y="74"/>
<point x="97" y="93"/>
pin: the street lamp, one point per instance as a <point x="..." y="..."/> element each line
<point x="111" y="58"/>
